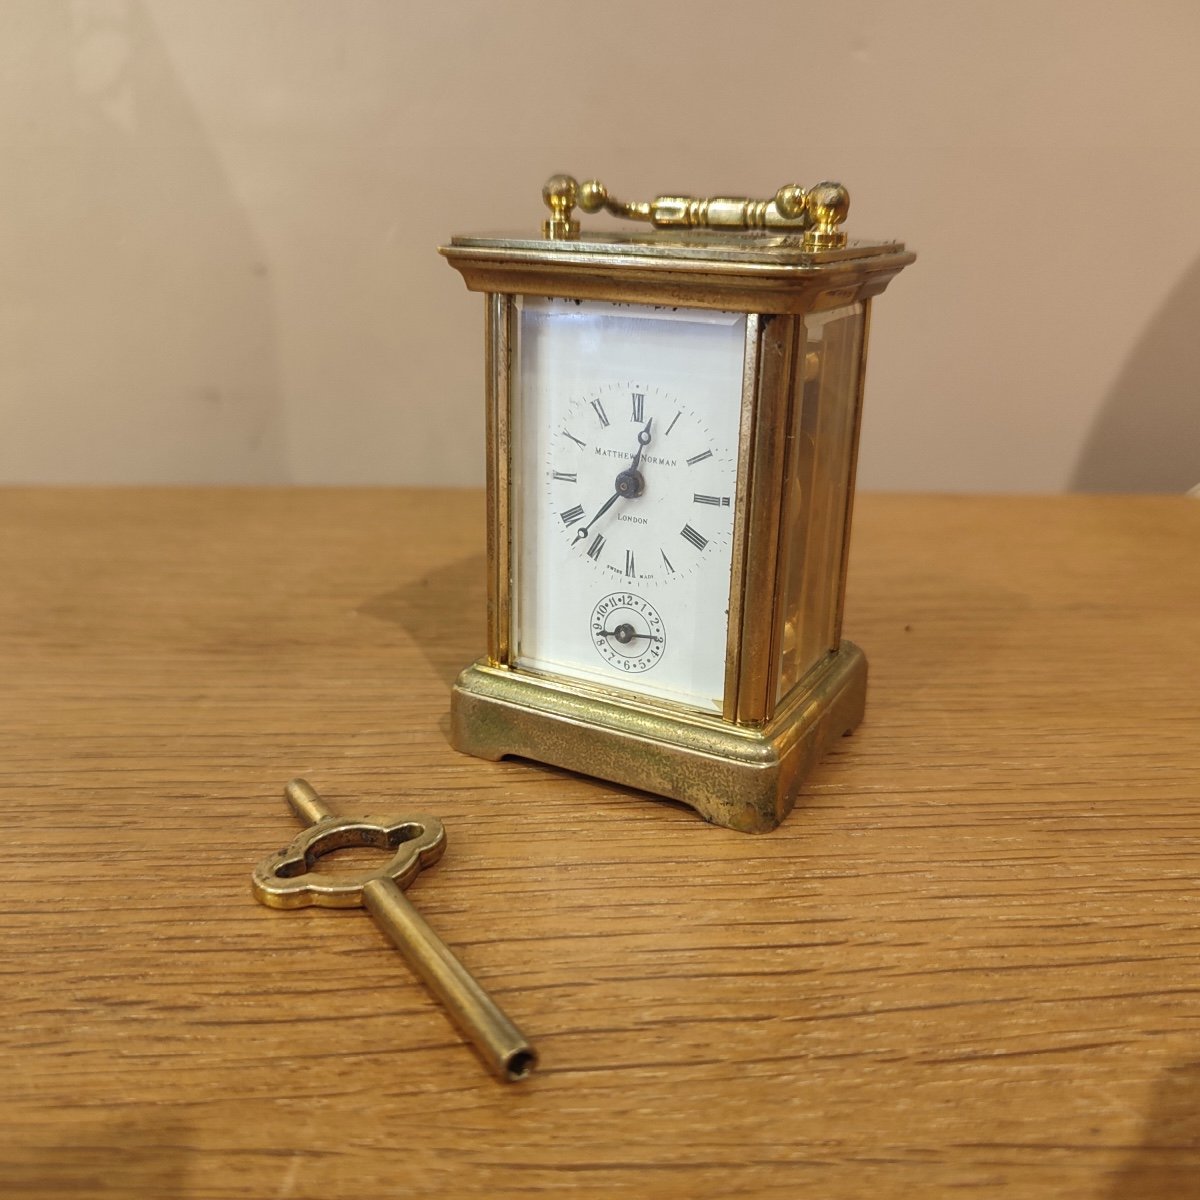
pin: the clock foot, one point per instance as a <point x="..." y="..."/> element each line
<point x="735" y="776"/>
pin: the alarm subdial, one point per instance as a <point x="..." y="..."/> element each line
<point x="627" y="632"/>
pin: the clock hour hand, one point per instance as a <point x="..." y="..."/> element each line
<point x="643" y="442"/>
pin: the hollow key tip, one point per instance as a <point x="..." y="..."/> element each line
<point x="520" y="1064"/>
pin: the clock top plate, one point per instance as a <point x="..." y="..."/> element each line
<point x="763" y="272"/>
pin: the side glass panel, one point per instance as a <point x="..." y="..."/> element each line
<point x="817" y="488"/>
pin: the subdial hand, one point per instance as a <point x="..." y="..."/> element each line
<point x="625" y="633"/>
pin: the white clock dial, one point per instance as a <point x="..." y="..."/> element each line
<point x="640" y="484"/>
<point x="624" y="464"/>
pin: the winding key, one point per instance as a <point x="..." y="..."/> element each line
<point x="284" y="881"/>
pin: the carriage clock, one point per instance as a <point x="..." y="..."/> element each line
<point x="672" y="429"/>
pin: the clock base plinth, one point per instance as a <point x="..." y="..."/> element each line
<point x="739" y="777"/>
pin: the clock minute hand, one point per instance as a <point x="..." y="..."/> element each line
<point x="586" y="529"/>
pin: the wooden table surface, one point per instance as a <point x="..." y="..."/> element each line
<point x="967" y="964"/>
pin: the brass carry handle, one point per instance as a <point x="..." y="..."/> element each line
<point x="817" y="212"/>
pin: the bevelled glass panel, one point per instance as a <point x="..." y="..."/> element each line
<point x="817" y="489"/>
<point x="624" y="455"/>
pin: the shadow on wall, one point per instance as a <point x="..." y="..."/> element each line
<point x="136" y="306"/>
<point x="1147" y="436"/>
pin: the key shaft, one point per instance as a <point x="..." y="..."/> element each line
<point x="501" y="1045"/>
<point x="303" y="800"/>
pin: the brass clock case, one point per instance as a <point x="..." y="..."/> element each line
<point x="789" y="692"/>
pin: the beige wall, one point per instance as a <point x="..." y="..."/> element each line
<point x="218" y="219"/>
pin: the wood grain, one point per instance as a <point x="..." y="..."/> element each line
<point x="966" y="965"/>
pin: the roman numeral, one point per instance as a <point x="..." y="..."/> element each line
<point x="596" y="546"/>
<point x="600" y="412"/>
<point x="699" y="458"/>
<point x="719" y="501"/>
<point x="575" y="439"/>
<point x="667" y="561"/>
<point x="672" y="424"/>
<point x="572" y="514"/>
<point x="639" y="403"/>
<point x="697" y="539"/>
<point x="629" y="563"/>
<point x="565" y="476"/>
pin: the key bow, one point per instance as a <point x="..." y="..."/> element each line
<point x="286" y="879"/>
